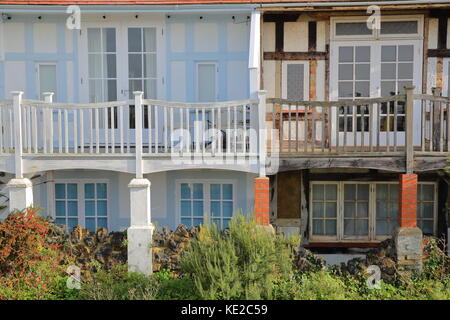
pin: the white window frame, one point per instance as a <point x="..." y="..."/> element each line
<point x="372" y="236"/>
<point x="376" y="34"/>
<point x="305" y="64"/>
<point x="38" y="77"/>
<point x="435" y="206"/>
<point x="81" y="198"/>
<point x="197" y="88"/>
<point x="206" y="195"/>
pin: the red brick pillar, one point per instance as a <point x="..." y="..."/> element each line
<point x="262" y="201"/>
<point x="407" y="217"/>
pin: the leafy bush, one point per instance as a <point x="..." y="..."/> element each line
<point x="244" y="263"/>
<point x="29" y="266"/>
<point x="118" y="284"/>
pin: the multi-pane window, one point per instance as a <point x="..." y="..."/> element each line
<point x="204" y="202"/>
<point x="426" y="207"/>
<point x="192" y="204"/>
<point x="95" y="206"/>
<point x="324" y="209"/>
<point x="142" y="61"/>
<point x="356" y="210"/>
<point x="66" y="204"/>
<point x="353" y="83"/>
<point x="386" y="208"/>
<point x="397" y="69"/>
<point x="81" y="203"/>
<point x="295" y="81"/>
<point x="102" y="56"/>
<point x="221" y="204"/>
<point x="364" y="211"/>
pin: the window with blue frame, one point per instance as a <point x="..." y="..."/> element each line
<point x="66" y="204"/>
<point x="84" y="204"/>
<point x="95" y="206"/>
<point x="206" y="202"/>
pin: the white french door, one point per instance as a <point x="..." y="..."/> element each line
<point x="369" y="70"/>
<point x="120" y="59"/>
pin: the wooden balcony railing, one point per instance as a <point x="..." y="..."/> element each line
<point x="380" y="126"/>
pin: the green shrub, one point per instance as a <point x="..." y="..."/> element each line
<point x="119" y="284"/>
<point x="244" y="263"/>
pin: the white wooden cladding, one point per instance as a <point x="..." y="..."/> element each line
<point x="115" y="128"/>
<point x="318" y="127"/>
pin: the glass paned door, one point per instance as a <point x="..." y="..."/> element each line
<point x="102" y="82"/>
<point x="141" y="75"/>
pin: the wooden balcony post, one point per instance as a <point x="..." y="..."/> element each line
<point x="48" y="98"/>
<point x="409" y="113"/>
<point x="138" y="132"/>
<point x="262" y="143"/>
<point x="436" y="113"/>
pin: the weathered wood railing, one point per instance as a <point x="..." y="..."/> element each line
<point x="387" y="125"/>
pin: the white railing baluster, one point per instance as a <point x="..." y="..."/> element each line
<point x="81" y="130"/>
<point x="112" y="130"/>
<point x="121" y="108"/>
<point x="97" y="131"/>
<point x="105" y="126"/>
<point x="66" y="131"/>
<point x="60" y="142"/>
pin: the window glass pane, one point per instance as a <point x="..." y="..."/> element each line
<point x="226" y="223"/>
<point x="72" y="223"/>
<point x="382" y="191"/>
<point x="60" y="208"/>
<point x="150" y="89"/>
<point x="318" y="209"/>
<point x="89" y="192"/>
<point x="215" y="208"/>
<point x="60" y="221"/>
<point x="109" y="38"/>
<point x="102" y="223"/>
<point x="60" y="191"/>
<point x="102" y="208"/>
<point x="382" y="227"/>
<point x="134" y="40"/>
<point x="330" y="192"/>
<point x="94" y="43"/>
<point x="198" y="209"/>
<point x="101" y="191"/>
<point x="405" y="70"/>
<point x="362" y="227"/>
<point x="349" y="209"/>
<point x="186" y="208"/>
<point x="352" y="28"/>
<point x="198" y="191"/>
<point x="362" y="72"/>
<point x="363" y="192"/>
<point x="330" y="227"/>
<point x="150" y="65"/>
<point x="349" y="227"/>
<point x="227" y="208"/>
<point x="330" y="209"/>
<point x="388" y="71"/>
<point x="362" y="88"/>
<point x="388" y="53"/>
<point x="427" y="210"/>
<point x="197" y="222"/>
<point x="399" y="27"/>
<point x="345" y="54"/>
<point x="295" y="73"/>
<point x="318" y="227"/>
<point x="318" y="191"/>
<point x="47" y="80"/>
<point x="186" y="222"/>
<point x="134" y="85"/>
<point x="95" y="91"/>
<point x="345" y="90"/>
<point x="362" y="54"/>
<point x="406" y="53"/>
<point x="349" y="192"/>
<point x="227" y="190"/>
<point x="215" y="191"/>
<point x="150" y="39"/>
<point x="362" y="209"/>
<point x="89" y="208"/>
<point x="72" y="192"/>
<point x="95" y="65"/>
<point x="345" y="71"/>
<point x="382" y="209"/>
<point x="72" y="208"/>
<point x="185" y="191"/>
<point x="90" y="224"/>
<point x="426" y="192"/>
<point x="110" y="66"/>
<point x="135" y="65"/>
<point x="426" y="226"/>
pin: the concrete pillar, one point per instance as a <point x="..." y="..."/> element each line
<point x="20" y="194"/>
<point x="262" y="201"/>
<point x="141" y="230"/>
<point x="408" y="238"/>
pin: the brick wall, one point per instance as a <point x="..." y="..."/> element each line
<point x="407" y="217"/>
<point x="262" y="201"/>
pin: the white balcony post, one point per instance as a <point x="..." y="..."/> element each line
<point x="138" y="131"/>
<point x="262" y="143"/>
<point x="20" y="188"/>
<point x="254" y="52"/>
<point x="48" y="98"/>
<point x="140" y="232"/>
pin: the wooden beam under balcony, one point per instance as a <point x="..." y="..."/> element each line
<point x="312" y="55"/>
<point x="438" y="53"/>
